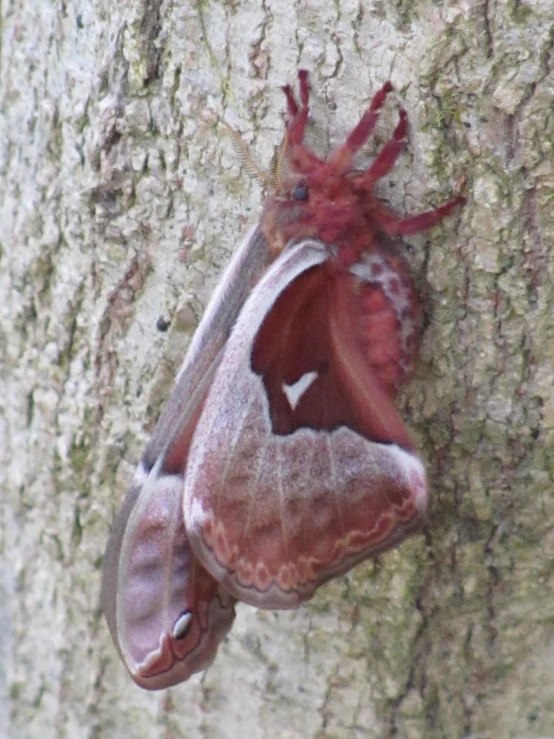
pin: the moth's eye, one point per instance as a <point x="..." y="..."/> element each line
<point x="300" y="192"/>
<point x="182" y="626"/>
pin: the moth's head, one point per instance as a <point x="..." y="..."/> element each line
<point x="326" y="199"/>
<point x="317" y="198"/>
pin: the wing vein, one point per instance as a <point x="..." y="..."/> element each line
<point x="232" y="445"/>
<point x="282" y="501"/>
<point x="328" y="444"/>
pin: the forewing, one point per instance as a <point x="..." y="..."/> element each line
<point x="166" y="614"/>
<point x="300" y="464"/>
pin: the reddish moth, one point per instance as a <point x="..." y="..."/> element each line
<point x="280" y="460"/>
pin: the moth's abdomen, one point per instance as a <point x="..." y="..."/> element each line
<point x="389" y="318"/>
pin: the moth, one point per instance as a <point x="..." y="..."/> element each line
<point x="280" y="459"/>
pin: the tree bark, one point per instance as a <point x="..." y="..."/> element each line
<point x="122" y="199"/>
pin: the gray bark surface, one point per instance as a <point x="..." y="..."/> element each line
<point x="121" y="201"/>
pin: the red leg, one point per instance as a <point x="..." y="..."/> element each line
<point x="298" y="117"/>
<point x="360" y="134"/>
<point x="388" y="155"/>
<point x="297" y="127"/>
<point x="341" y="158"/>
<point x="304" y="87"/>
<point x="292" y="107"/>
<point x="423" y="221"/>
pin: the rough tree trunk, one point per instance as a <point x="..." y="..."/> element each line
<point x="113" y="169"/>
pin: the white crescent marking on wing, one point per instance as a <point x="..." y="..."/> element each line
<point x="295" y="391"/>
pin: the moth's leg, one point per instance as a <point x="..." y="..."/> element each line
<point x="388" y="155"/>
<point x="423" y="221"/>
<point x="297" y="116"/>
<point x="341" y="159"/>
